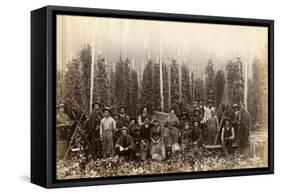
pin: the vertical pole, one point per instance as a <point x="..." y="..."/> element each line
<point x="161" y="84"/>
<point x="92" y="79"/>
<point x="180" y="81"/>
<point x="169" y="86"/>
<point x="246" y="84"/>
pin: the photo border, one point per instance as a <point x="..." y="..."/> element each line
<point x="53" y="11"/>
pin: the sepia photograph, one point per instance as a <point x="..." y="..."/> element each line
<point x="145" y="97"/>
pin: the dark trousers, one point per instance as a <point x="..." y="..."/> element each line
<point x="227" y="146"/>
<point x="128" y="154"/>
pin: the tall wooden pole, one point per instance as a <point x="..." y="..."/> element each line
<point x="169" y="86"/>
<point x="92" y="79"/>
<point x="246" y="84"/>
<point x="161" y="83"/>
<point x="180" y="81"/>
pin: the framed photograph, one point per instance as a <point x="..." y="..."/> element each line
<point x="127" y="96"/>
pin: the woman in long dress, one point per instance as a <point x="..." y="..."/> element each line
<point x="157" y="147"/>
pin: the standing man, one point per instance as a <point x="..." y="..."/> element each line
<point x="107" y="126"/>
<point x="201" y="107"/>
<point x="63" y="128"/>
<point x="124" y="119"/>
<point x="142" y="116"/>
<point x="94" y="123"/>
<point x="244" y="127"/>
<point x="212" y="128"/>
<point x="207" y="113"/>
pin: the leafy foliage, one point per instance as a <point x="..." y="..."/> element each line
<point x="191" y="159"/>
<point x="219" y="86"/>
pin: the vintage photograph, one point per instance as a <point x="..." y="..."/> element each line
<point x="143" y="97"/>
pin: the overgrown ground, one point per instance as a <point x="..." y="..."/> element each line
<point x="193" y="159"/>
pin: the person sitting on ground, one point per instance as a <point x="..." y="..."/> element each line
<point x="134" y="131"/>
<point x="145" y="137"/>
<point x="124" y="147"/>
<point x="186" y="136"/>
<point x="157" y="148"/>
<point x="227" y="136"/>
<point x="197" y="136"/>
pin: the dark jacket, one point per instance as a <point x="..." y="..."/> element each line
<point x="125" y="141"/>
<point x="145" y="132"/>
<point x="95" y="119"/>
<point x="123" y="120"/>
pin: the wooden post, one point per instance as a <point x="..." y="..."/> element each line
<point x="180" y="81"/>
<point x="169" y="86"/>
<point x="92" y="79"/>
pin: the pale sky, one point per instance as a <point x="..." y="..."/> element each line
<point x="193" y="43"/>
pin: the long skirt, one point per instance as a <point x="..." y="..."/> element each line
<point x="157" y="151"/>
<point x="211" y="135"/>
<point x="144" y="146"/>
<point x="171" y="136"/>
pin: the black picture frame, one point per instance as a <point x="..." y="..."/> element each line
<point x="43" y="90"/>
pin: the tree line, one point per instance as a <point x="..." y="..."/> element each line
<point x="123" y="85"/>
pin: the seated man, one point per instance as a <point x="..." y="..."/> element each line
<point x="144" y="138"/>
<point x="186" y="136"/>
<point x="125" y="145"/>
<point x="227" y="136"/>
<point x="197" y="136"/>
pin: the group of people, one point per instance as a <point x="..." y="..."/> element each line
<point x="117" y="134"/>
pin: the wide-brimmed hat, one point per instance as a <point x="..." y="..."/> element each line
<point x="155" y="120"/>
<point x="61" y="105"/>
<point x="124" y="128"/>
<point x="235" y="106"/>
<point x="197" y="109"/>
<point x="107" y="109"/>
<point x="122" y="107"/>
<point x="184" y="114"/>
<point x="95" y="104"/>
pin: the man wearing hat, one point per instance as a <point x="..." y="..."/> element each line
<point x="125" y="145"/>
<point x="227" y="136"/>
<point x="244" y="127"/>
<point x="94" y="123"/>
<point x="63" y="124"/>
<point x="124" y="119"/>
<point x="197" y="115"/>
<point x="207" y="113"/>
<point x="197" y="134"/>
<point x="62" y="117"/>
<point x="212" y="127"/>
<point x="107" y="126"/>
